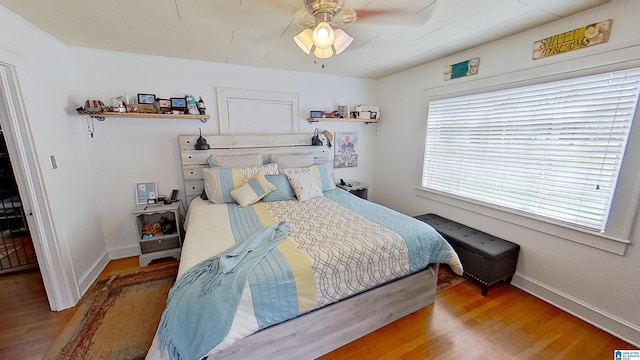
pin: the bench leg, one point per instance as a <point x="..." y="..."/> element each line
<point x="508" y="279"/>
<point x="485" y="289"/>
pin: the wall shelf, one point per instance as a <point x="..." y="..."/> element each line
<point x="101" y="116"/>
<point x="366" y="121"/>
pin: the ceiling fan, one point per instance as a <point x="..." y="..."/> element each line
<point x="323" y="19"/>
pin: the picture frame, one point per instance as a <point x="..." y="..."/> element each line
<point x="146" y="98"/>
<point x="146" y="192"/>
<point x="164" y="105"/>
<point x="178" y="103"/>
<point x="315" y="114"/>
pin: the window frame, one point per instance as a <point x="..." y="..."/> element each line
<point x="626" y="194"/>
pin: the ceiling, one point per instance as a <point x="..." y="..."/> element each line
<point x="260" y="32"/>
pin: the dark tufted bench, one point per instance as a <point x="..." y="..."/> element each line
<point x="484" y="257"/>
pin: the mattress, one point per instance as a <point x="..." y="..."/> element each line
<point x="339" y="245"/>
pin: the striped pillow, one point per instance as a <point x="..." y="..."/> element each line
<point x="253" y="190"/>
<point x="219" y="181"/>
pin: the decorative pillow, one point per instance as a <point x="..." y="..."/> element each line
<point x="293" y="160"/>
<point x="235" y="160"/>
<point x="304" y="185"/>
<point x="219" y="181"/>
<point x="323" y="173"/>
<point x="253" y="190"/>
<point x="283" y="189"/>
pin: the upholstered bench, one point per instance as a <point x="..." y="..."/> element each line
<point x="485" y="258"/>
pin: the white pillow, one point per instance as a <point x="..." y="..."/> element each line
<point x="235" y="160"/>
<point x="322" y="172"/>
<point x="304" y="185"/>
<point x="253" y="190"/>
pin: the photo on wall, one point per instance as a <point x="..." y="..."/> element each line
<point x="346" y="149"/>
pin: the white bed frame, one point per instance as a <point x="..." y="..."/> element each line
<point x="321" y="331"/>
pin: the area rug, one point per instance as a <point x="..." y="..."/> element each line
<point x="118" y="317"/>
<point x="120" y="314"/>
<point x="447" y="279"/>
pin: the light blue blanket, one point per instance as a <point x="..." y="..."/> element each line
<point x="425" y="245"/>
<point x="196" y="316"/>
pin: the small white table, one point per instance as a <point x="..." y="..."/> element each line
<point x="160" y="245"/>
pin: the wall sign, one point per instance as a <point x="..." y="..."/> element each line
<point x="575" y="39"/>
<point x="462" y="69"/>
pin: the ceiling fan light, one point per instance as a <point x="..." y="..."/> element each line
<point x="304" y="40"/>
<point x="321" y="53"/>
<point x="323" y="35"/>
<point x="342" y="41"/>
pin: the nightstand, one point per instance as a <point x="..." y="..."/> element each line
<point x="359" y="190"/>
<point x="166" y="223"/>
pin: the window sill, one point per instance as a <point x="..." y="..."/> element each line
<point x="581" y="236"/>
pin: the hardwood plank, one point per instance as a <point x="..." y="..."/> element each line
<point x="28" y="325"/>
<point x="507" y="324"/>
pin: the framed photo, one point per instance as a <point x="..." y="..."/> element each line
<point x="146" y="192"/>
<point x="345" y="149"/>
<point x="178" y="103"/>
<point x="164" y="105"/>
<point x="146" y="98"/>
<point x="315" y="114"/>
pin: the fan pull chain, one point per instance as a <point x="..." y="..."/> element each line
<point x="90" y="126"/>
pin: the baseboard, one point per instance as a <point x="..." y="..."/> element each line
<point x="609" y="323"/>
<point x="124" y="252"/>
<point x="87" y="279"/>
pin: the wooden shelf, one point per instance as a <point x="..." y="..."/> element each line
<point x="366" y="121"/>
<point x="101" y="116"/>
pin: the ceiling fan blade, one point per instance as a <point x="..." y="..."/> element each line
<point x="392" y="17"/>
<point x="303" y="18"/>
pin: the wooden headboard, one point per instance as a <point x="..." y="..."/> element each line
<point x="267" y="144"/>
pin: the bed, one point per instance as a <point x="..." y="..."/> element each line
<point x="331" y="266"/>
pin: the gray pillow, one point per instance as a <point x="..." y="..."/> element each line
<point x="293" y="160"/>
<point x="235" y="160"/>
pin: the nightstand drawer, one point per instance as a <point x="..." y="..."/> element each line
<point x="154" y="245"/>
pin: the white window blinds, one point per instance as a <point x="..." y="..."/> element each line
<point x="552" y="149"/>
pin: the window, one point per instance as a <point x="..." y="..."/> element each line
<point x="551" y="150"/>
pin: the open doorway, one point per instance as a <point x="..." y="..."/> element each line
<point x="53" y="260"/>
<point x="16" y="247"/>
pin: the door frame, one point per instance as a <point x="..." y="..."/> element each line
<point x="54" y="259"/>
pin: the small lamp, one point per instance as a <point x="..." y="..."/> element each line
<point x="342" y="41"/>
<point x="323" y="40"/>
<point x="201" y="143"/>
<point x="323" y="53"/>
<point x="304" y="40"/>
<point x="323" y="35"/>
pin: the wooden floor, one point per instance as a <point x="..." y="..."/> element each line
<point x="462" y="324"/>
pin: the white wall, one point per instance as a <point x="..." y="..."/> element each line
<point x="44" y="79"/>
<point x="126" y="150"/>
<point x="91" y="194"/>
<point x="596" y="285"/>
